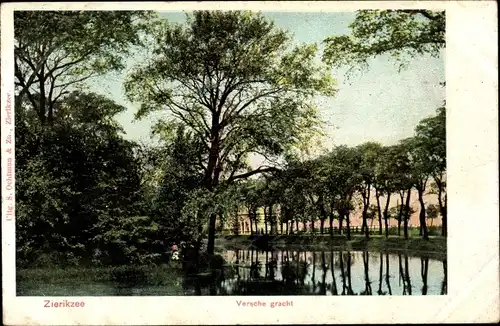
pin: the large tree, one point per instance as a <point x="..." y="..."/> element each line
<point x="369" y="153"/>
<point x="403" y="181"/>
<point x="431" y="135"/>
<point x="236" y="81"/>
<point x="386" y="172"/>
<point x="57" y="51"/>
<point x="421" y="170"/>
<point x="342" y="166"/>
<point x="399" y="33"/>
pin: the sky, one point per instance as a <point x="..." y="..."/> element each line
<point x="379" y="104"/>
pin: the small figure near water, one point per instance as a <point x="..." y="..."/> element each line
<point x="175" y="252"/>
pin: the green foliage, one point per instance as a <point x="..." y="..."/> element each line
<point x="406" y="212"/>
<point x="342" y="165"/>
<point x="430" y="140"/>
<point x="398" y="33"/>
<point x="232" y="85"/>
<point x="432" y="211"/>
<point x="171" y="182"/>
<point x="233" y="76"/>
<point x="372" y="213"/>
<point x="71" y="177"/>
<point x="57" y="51"/>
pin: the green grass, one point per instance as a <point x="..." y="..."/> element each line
<point x="105" y="281"/>
<point x="150" y="275"/>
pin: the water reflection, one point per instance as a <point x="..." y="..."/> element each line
<point x="444" y="284"/>
<point x="288" y="272"/>
<point x="285" y="272"/>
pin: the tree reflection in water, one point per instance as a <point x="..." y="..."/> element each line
<point x="380" y="276"/>
<point x="332" y="268"/>
<point x="286" y="272"/>
<point x="387" y="274"/>
<point x="407" y="275"/>
<point x="444" y="284"/>
<point x="368" y="287"/>
<point x="424" y="269"/>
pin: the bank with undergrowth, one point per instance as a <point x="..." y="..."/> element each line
<point x="435" y="246"/>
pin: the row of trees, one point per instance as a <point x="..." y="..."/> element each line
<point x="334" y="184"/>
<point x="240" y="87"/>
<point x="232" y="84"/>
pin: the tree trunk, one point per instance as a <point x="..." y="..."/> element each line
<point x="265" y="220"/>
<point x="255" y="222"/>
<point x="366" y="203"/>
<point x="423" y="224"/>
<point x="273" y="224"/>
<point x="444" y="226"/>
<point x="211" y="234"/>
<point x="250" y="218"/>
<point x="442" y="210"/>
<point x="297" y="224"/>
<point x="42" y="100"/>
<point x="400" y="213"/>
<point x="322" y="226"/>
<point x="341" y="221"/>
<point x="331" y="224"/>
<point x="286" y="227"/>
<point x="348" y="222"/>
<point x="379" y="212"/>
<point x="406" y="214"/>
<point x="386" y="215"/>
<point x="211" y="179"/>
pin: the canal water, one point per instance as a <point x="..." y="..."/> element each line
<point x="283" y="272"/>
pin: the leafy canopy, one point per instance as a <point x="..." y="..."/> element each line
<point x="56" y="51"/>
<point x="233" y="79"/>
<point x="399" y="33"/>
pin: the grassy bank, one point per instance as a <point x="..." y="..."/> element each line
<point x="434" y="247"/>
<point x="151" y="275"/>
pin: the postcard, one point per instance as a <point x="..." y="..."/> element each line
<point x="249" y="162"/>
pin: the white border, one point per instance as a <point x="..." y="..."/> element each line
<point x="473" y="243"/>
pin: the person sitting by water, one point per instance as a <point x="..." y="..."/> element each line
<point x="175" y="252"/>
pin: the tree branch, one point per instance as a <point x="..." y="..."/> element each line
<point x="256" y="171"/>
